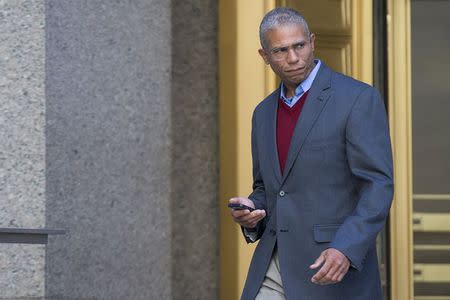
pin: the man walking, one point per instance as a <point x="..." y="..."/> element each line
<point x="322" y="171"/>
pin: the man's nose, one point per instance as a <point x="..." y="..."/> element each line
<point x="292" y="56"/>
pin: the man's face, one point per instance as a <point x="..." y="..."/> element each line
<point x="290" y="53"/>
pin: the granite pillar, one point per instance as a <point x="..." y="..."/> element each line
<point x="109" y="130"/>
<point x="22" y="146"/>
<point x="131" y="149"/>
<point x="108" y="149"/>
<point x="195" y="150"/>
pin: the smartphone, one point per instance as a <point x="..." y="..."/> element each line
<point x="239" y="206"/>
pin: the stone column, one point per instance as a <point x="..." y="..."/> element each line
<point x="195" y="151"/>
<point x="108" y="149"/>
<point x="22" y="146"/>
<point x="108" y="118"/>
<point x="132" y="153"/>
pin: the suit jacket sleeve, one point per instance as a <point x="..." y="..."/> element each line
<point x="370" y="160"/>
<point x="258" y="196"/>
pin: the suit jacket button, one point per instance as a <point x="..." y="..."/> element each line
<point x="273" y="232"/>
<point x="282" y="193"/>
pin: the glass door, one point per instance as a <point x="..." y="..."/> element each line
<point x="430" y="49"/>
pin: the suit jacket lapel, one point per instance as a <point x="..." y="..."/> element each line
<point x="271" y="133"/>
<point x="317" y="98"/>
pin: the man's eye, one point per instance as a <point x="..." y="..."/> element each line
<point x="276" y="50"/>
<point x="283" y="49"/>
<point x="299" y="46"/>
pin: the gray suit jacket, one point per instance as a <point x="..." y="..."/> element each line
<point x="336" y="189"/>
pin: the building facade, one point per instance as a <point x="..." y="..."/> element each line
<point x="127" y="124"/>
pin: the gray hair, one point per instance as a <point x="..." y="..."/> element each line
<point x="277" y="17"/>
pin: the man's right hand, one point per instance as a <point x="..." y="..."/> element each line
<point x="244" y="217"/>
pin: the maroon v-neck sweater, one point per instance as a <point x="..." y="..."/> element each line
<point x="287" y="117"/>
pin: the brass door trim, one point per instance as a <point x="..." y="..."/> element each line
<point x="362" y="43"/>
<point x="432" y="273"/>
<point x="432" y="298"/>
<point x="431" y="196"/>
<point x="399" y="104"/>
<point x="270" y="79"/>
<point x="238" y="61"/>
<point x="432" y="247"/>
<point x="436" y="222"/>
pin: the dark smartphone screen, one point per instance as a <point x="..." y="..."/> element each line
<point x="239" y="206"/>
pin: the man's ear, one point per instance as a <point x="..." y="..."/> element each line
<point x="312" y="38"/>
<point x="264" y="55"/>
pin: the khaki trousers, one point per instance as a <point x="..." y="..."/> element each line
<point x="272" y="287"/>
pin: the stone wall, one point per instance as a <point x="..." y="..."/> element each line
<point x="128" y="127"/>
<point x="22" y="146"/>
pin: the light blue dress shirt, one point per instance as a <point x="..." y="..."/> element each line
<point x="303" y="87"/>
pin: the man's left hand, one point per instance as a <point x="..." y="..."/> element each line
<point x="334" y="267"/>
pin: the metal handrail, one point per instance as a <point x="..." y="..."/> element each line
<point x="27" y="235"/>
